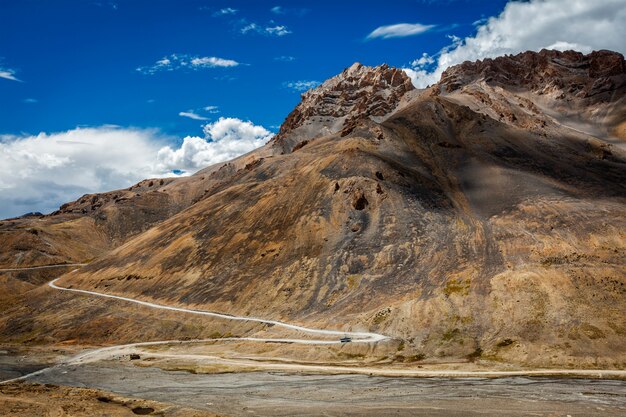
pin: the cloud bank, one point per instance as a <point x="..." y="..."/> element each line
<point x="38" y="173"/>
<point x="41" y="172"/>
<point x="581" y="25"/>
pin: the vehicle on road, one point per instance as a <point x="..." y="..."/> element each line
<point x="345" y="339"/>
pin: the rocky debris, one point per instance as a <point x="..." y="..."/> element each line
<point x="568" y="74"/>
<point x="338" y="104"/>
<point x="90" y="203"/>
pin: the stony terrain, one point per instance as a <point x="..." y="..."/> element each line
<point x="483" y="217"/>
<point x="25" y="400"/>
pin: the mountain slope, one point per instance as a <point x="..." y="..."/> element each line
<point x="484" y="215"/>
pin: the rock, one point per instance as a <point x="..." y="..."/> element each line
<point x="359" y="92"/>
<point x="565" y="75"/>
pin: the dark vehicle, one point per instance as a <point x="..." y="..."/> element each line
<point x="345" y="339"/>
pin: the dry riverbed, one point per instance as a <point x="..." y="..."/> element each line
<point x="265" y="393"/>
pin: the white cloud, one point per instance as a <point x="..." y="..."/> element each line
<point x="211" y="62"/>
<point x="224" y="139"/>
<point x="425" y="59"/>
<point x="191" y="115"/>
<point x="399" y="30"/>
<point x="8" y="74"/>
<point x="211" y="109"/>
<point x="183" y="61"/>
<point x="278" y="30"/>
<point x="38" y="173"/>
<point x="41" y="172"/>
<point x="301" y="85"/>
<point x="225" y="11"/>
<point x="533" y="25"/>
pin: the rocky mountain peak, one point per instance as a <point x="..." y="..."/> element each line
<point x="357" y="92"/>
<point x="563" y="75"/>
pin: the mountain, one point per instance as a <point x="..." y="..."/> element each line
<point x="482" y="216"/>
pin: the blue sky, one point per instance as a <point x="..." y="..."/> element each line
<point x="78" y="59"/>
<point x="96" y="95"/>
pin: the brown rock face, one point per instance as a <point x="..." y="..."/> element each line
<point x="359" y="92"/>
<point x="564" y="75"/>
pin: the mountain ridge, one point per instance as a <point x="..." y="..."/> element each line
<point x="469" y="214"/>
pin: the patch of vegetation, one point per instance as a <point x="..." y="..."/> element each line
<point x="416" y="358"/>
<point x="381" y="315"/>
<point x="401" y="346"/>
<point x="412" y="358"/>
<point x="353" y="281"/>
<point x="450" y="334"/>
<point x="560" y="260"/>
<point x="457" y="286"/>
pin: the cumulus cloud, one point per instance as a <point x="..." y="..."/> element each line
<point x="182" y="61"/>
<point x="301" y="85"/>
<point x="38" y="173"/>
<point x="8" y="74"/>
<point x="399" y="30"/>
<point x="41" y="172"/>
<point x="267" y="30"/>
<point x="223" y="139"/>
<point x="533" y="25"/>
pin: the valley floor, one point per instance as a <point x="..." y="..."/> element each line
<point x="235" y="376"/>
<point x="288" y="394"/>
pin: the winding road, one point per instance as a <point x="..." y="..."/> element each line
<point x="357" y="337"/>
<point x="111" y="351"/>
<point x="38" y="267"/>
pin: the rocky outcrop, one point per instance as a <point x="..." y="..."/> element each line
<point x="359" y="92"/>
<point x="563" y="75"/>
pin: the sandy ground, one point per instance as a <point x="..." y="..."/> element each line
<point x="26" y="399"/>
<point x="289" y="394"/>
